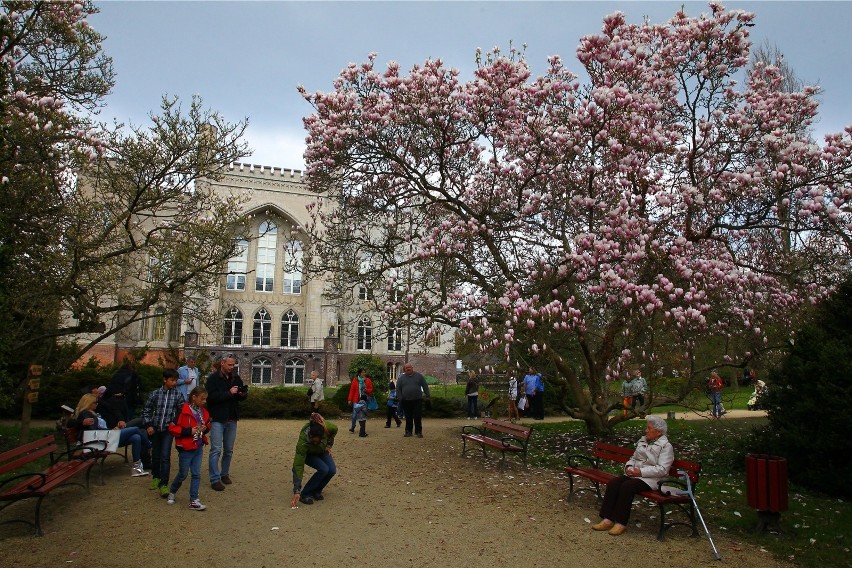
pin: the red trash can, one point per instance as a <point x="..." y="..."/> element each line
<point x="766" y="488"/>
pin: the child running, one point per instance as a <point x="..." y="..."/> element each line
<point x="190" y="432"/>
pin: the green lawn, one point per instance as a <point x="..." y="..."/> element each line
<point x="817" y="527"/>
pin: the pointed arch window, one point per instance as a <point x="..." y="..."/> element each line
<point x="237" y="267"/>
<point x="261" y="371"/>
<point x="159" y="325"/>
<point x="262" y="328"/>
<point x="294" y="371"/>
<point x="365" y="334"/>
<point x="290" y="329"/>
<point x="233" y="327"/>
<point x="266" y="249"/>
<point x="395" y="337"/>
<point x="293" y="268"/>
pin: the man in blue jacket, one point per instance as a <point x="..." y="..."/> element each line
<point x="188" y="377"/>
<point x="534" y="388"/>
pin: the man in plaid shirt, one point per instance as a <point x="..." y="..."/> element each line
<point x="160" y="409"/>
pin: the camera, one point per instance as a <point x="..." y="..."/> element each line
<point x="242" y="389"/>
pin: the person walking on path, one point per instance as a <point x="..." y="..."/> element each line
<point x="534" y="389"/>
<point x="716" y="385"/>
<point x="411" y="388"/>
<point x="361" y="385"/>
<point x="225" y="391"/>
<point x="472" y="392"/>
<point x="633" y="391"/>
<point x="188" y="377"/>
<point x="392" y="406"/>
<point x="512" y="398"/>
<point x="317" y="393"/>
<point x="160" y="410"/>
<point x="190" y="433"/>
<point x="313" y="448"/>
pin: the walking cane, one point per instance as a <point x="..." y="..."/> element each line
<point x="685" y="477"/>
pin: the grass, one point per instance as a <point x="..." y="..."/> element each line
<point x="816" y="527"/>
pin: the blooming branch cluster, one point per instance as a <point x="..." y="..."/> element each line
<point x="567" y="220"/>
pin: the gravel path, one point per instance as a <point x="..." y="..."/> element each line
<point x="396" y="501"/>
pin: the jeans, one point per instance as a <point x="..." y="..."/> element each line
<point x="161" y="456"/>
<point x="189" y="460"/>
<point x="326" y="469"/>
<point x="222" y="438"/>
<point x="716" y="399"/>
<point x="137" y="438"/>
<point x="472" y="406"/>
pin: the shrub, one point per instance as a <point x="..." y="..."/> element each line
<point x="281" y="403"/>
<point x="808" y="398"/>
<point x="375" y="369"/>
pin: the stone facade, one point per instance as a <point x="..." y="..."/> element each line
<point x="278" y="326"/>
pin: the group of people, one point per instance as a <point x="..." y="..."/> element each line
<point x="405" y="401"/>
<point x="316" y="438"/>
<point x="530" y="403"/>
<point x="182" y="413"/>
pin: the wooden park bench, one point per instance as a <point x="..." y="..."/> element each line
<point x="36" y="485"/>
<point x="497" y="434"/>
<point x="94" y="450"/>
<point x="667" y="495"/>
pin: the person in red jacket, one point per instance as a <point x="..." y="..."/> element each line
<point x="190" y="431"/>
<point x="361" y="385"/>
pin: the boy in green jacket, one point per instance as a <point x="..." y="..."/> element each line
<point x="314" y="449"/>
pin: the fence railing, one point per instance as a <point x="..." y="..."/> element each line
<point x="269" y="342"/>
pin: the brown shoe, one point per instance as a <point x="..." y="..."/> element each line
<point x="617" y="530"/>
<point x="602" y="526"/>
<point x="218" y="486"/>
<point x="226" y="479"/>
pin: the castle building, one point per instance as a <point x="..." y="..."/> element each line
<point x="277" y="324"/>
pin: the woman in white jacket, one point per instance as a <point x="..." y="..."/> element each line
<point x="649" y="465"/>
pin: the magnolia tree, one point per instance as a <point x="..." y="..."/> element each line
<point x="100" y="224"/>
<point x="588" y="227"/>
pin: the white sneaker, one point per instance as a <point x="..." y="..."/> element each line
<point x="137" y="470"/>
<point x="197" y="505"/>
<point x="171" y="499"/>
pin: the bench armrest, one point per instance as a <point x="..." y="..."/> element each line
<point x="575" y="459"/>
<point x="673" y="483"/>
<point x="508" y="439"/>
<point x="26" y="475"/>
<point x="87" y="451"/>
<point x="472" y="430"/>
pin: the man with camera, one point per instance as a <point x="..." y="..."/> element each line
<point x="225" y="391"/>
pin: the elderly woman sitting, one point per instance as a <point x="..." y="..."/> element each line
<point x="649" y="465"/>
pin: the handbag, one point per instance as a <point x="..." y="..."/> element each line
<point x="372" y="403"/>
<point x="522" y="403"/>
<point x="108" y="437"/>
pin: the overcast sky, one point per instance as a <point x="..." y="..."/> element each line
<point x="246" y="58"/>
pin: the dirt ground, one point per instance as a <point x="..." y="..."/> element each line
<point x="395" y="502"/>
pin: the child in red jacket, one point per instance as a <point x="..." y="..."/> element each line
<point x="190" y="431"/>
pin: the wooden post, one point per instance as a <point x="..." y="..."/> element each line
<point x="30" y="396"/>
